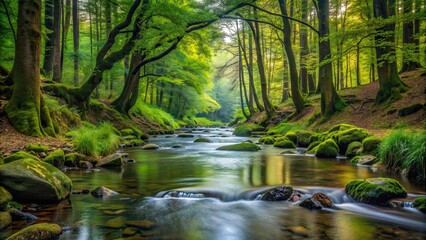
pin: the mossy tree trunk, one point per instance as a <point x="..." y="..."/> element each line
<point x="391" y="85"/>
<point x="330" y="100"/>
<point x="26" y="109"/>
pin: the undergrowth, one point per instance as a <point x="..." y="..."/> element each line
<point x="92" y="140"/>
<point x="154" y="114"/>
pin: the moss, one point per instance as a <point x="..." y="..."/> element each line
<point x="341" y="127"/>
<point x="19" y="155"/>
<point x="420" y="203"/>
<point x="376" y="191"/>
<point x="284" y="144"/>
<point x="205" y="140"/>
<point x="312" y="146"/>
<point x="5" y="198"/>
<point x="246" y="129"/>
<point x="136" y="142"/>
<point x="327" y="149"/>
<point x="353" y="147"/>
<point x="127" y="131"/>
<point x="345" y="137"/>
<point x="303" y="138"/>
<point x="56" y="158"/>
<point x="267" y="140"/>
<point x="40" y="231"/>
<point x="249" y="147"/>
<point x="371" y="144"/>
<point x="313" y="138"/>
<point x="5" y="220"/>
<point x="410" y="109"/>
<point x="37" y="148"/>
<point x="291" y="136"/>
<point x="355" y="160"/>
<point x="74" y="159"/>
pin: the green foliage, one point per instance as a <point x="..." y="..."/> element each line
<point x="98" y="140"/>
<point x="405" y="151"/>
<point x="63" y="116"/>
<point x="202" y="121"/>
<point x="19" y="155"/>
<point x="243" y="147"/>
<point x="283" y="128"/>
<point x="36" y="147"/>
<point x="246" y="129"/>
<point x="154" y="115"/>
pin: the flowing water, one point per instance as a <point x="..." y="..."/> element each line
<point x="192" y="191"/>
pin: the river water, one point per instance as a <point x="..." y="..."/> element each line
<point x="192" y="191"/>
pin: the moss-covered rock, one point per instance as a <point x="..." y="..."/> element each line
<point x="370" y="144"/>
<point x="34" y="181"/>
<point x="284" y="144"/>
<point x="366" y="160"/>
<point x="18" y="156"/>
<point x="291" y="136"/>
<point x="186" y="135"/>
<point x="280" y="193"/>
<point x="353" y="148"/>
<point x="410" y="109"/>
<point x="376" y="191"/>
<point x="204" y="140"/>
<point x="420" y="204"/>
<point x="344" y="138"/>
<point x="40" y="231"/>
<point x="355" y="160"/>
<point x="312" y="146"/>
<point x="56" y="158"/>
<point x="112" y="160"/>
<point x="5" y="220"/>
<point x="244" y="147"/>
<point x="313" y="138"/>
<point x="37" y="148"/>
<point x="267" y="140"/>
<point x="136" y="142"/>
<point x="245" y="130"/>
<point x="303" y="138"/>
<point x="327" y="149"/>
<point x="5" y="198"/>
<point x="127" y="131"/>
<point x="74" y="159"/>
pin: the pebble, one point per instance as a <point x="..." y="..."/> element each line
<point x="143" y="224"/>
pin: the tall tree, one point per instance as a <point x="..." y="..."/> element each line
<point x="76" y="36"/>
<point x="57" y="12"/>
<point x="26" y="109"/>
<point x="296" y="95"/>
<point x="48" y="47"/>
<point x="390" y="84"/>
<point x="330" y="100"/>
<point x="409" y="55"/>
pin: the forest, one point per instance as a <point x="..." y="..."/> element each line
<point x="206" y="119"/>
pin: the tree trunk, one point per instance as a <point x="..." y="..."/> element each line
<point x="241" y="73"/>
<point x="48" y="46"/>
<point x="76" y="36"/>
<point x="297" y="97"/>
<point x="252" y="88"/>
<point x="26" y="109"/>
<point x="330" y="101"/>
<point x="284" y="95"/>
<point x="409" y="55"/>
<point x="65" y="28"/>
<point x="57" y="40"/>
<point x="304" y="48"/>
<point x="390" y="85"/>
<point x="252" y="94"/>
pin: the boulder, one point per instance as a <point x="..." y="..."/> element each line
<point x="29" y="180"/>
<point x="205" y="140"/>
<point x="56" y="158"/>
<point x="142" y="224"/>
<point x="40" y="231"/>
<point x="103" y="192"/>
<point x="344" y="138"/>
<point x="18" y="156"/>
<point x="118" y="222"/>
<point x="317" y="201"/>
<point x="19" y="215"/>
<point x="5" y="220"/>
<point x="267" y="140"/>
<point x="246" y="129"/>
<point x="327" y="149"/>
<point x="420" y="204"/>
<point x="247" y="147"/>
<point x="74" y="159"/>
<point x="367" y="160"/>
<point x="284" y="144"/>
<point x="112" y="160"/>
<point x="353" y="148"/>
<point x="5" y="198"/>
<point x="150" y="146"/>
<point x="377" y="191"/>
<point x="280" y="193"/>
<point x="37" y="148"/>
<point x="370" y="144"/>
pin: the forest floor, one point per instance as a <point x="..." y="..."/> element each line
<point x="361" y="111"/>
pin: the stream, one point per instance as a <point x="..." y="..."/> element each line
<point x="190" y="190"/>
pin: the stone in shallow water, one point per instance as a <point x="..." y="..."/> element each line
<point x="110" y="160"/>
<point x="280" y="193"/>
<point x="129" y="231"/>
<point x="5" y="220"/>
<point x="103" y="192"/>
<point x="41" y="231"/>
<point x="150" y="146"/>
<point x="118" y="222"/>
<point x="142" y="224"/>
<point x="298" y="230"/>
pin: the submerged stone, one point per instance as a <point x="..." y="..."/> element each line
<point x="5" y="220"/>
<point x="150" y="146"/>
<point x="41" y="231"/>
<point x="298" y="230"/>
<point x="142" y="224"/>
<point x="103" y="192"/>
<point x="205" y="140"/>
<point x="247" y="147"/>
<point x="129" y="231"/>
<point x="367" y="160"/>
<point x="118" y="222"/>
<point x="376" y="191"/>
<point x="186" y="135"/>
<point x="280" y="193"/>
<point x="34" y="181"/>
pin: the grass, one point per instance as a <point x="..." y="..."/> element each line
<point x="98" y="140"/>
<point x="204" y="122"/>
<point x="154" y="114"/>
<point x="404" y="151"/>
<point x="283" y="128"/>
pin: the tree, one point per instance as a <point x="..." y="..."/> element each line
<point x="57" y="18"/>
<point x="26" y="109"/>
<point x="76" y="36"/>
<point x="390" y="85"/>
<point x="330" y="100"/>
<point x="409" y="56"/>
<point x="48" y="47"/>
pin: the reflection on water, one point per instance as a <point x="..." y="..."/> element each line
<point x="230" y="181"/>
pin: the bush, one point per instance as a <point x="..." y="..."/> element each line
<point x="98" y="140"/>
<point x="405" y="151"/>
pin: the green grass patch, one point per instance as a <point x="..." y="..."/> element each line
<point x="283" y="128"/>
<point x="154" y="115"/>
<point x="98" y="140"/>
<point x="205" y="122"/>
